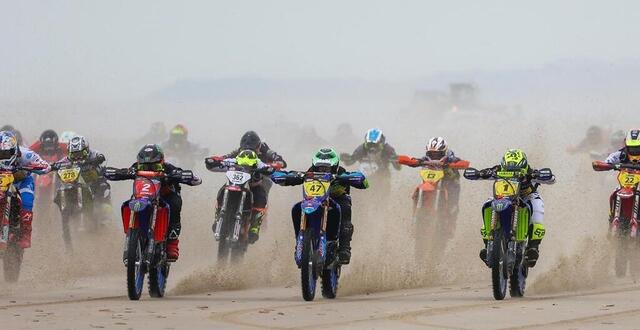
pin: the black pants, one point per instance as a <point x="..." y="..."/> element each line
<point x="343" y="218"/>
<point x="175" y="208"/>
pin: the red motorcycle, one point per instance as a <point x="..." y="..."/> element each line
<point x="145" y="218"/>
<point x="624" y="203"/>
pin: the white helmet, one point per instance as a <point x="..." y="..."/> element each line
<point x="8" y="149"/>
<point x="437" y="148"/>
<point x="66" y="136"/>
<point x="78" y="148"/>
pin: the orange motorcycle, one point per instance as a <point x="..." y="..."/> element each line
<point x="434" y="216"/>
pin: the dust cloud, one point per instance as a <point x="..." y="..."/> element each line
<point x="383" y="245"/>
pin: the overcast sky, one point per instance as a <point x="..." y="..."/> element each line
<point x="130" y="48"/>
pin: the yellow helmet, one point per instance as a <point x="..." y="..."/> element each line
<point x="632" y="144"/>
<point x="514" y="160"/>
<point x="247" y="158"/>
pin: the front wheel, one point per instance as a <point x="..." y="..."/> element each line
<point x="158" y="280"/>
<point x="12" y="261"/>
<point x="498" y="266"/>
<point x="135" y="270"/>
<point x="308" y="275"/>
<point x="518" y="279"/>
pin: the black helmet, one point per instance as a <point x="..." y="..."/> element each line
<point x="150" y="154"/>
<point x="250" y="140"/>
<point x="49" y="139"/>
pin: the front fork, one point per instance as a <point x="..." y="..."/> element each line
<point x="223" y="210"/>
<point x="238" y="224"/>
<point x="633" y="222"/>
<point x="6" y="213"/>
<point x="512" y="244"/>
<point x="148" y="256"/>
<point x="322" y="249"/>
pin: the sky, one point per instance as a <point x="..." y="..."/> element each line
<point x="123" y="49"/>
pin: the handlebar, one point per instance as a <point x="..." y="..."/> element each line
<point x="600" y="166"/>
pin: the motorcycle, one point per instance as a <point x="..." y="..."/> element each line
<point x="231" y="225"/>
<point x="432" y="215"/>
<point x="145" y="219"/>
<point x="10" y="225"/>
<point x="506" y="228"/>
<point x="374" y="168"/>
<point x="316" y="256"/>
<point x="623" y="225"/>
<point x="74" y="199"/>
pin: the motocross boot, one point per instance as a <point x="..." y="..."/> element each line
<point x="256" y="221"/>
<point x="483" y="253"/>
<point x="26" y="218"/>
<point x="173" y="251"/>
<point x="536" y="233"/>
<point x="344" y="243"/>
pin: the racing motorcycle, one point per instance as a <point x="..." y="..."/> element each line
<point x="316" y="255"/>
<point x="145" y="219"/>
<point x="623" y="225"/>
<point x="506" y="227"/>
<point x="374" y="168"/>
<point x="232" y="222"/>
<point x="74" y="199"/>
<point x="432" y="215"/>
<point x="10" y="224"/>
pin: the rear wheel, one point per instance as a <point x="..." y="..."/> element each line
<point x="135" y="267"/>
<point x="12" y="261"/>
<point x="308" y="275"/>
<point x="498" y="266"/>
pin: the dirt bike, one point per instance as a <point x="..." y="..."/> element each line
<point x="316" y="255"/>
<point x="232" y="222"/>
<point x="506" y="226"/>
<point x="432" y="215"/>
<point x="10" y="225"/>
<point x="74" y="199"/>
<point x="624" y="203"/>
<point x="375" y="169"/>
<point x="145" y="219"/>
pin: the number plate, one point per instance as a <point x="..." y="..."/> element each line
<point x="69" y="175"/>
<point x="6" y="179"/>
<point x="505" y="188"/>
<point x="628" y="180"/>
<point x="432" y="175"/>
<point x="237" y="177"/>
<point x="316" y="188"/>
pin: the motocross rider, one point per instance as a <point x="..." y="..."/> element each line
<point x="438" y="150"/>
<point x="515" y="160"/>
<point x="91" y="169"/>
<point x="327" y="160"/>
<point x="151" y="158"/>
<point x="13" y="156"/>
<point x="179" y="148"/>
<point x="259" y="188"/>
<point x="374" y="148"/>
<point x="157" y="133"/>
<point x="49" y="147"/>
<point x="629" y="154"/>
<point x="594" y="140"/>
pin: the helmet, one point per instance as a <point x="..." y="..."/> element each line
<point x="8" y="148"/>
<point x="78" y="148"/>
<point x="49" y="140"/>
<point x="66" y="136"/>
<point x="16" y="133"/>
<point x="632" y="144"/>
<point x="437" y="148"/>
<point x="178" y="132"/>
<point x="514" y="160"/>
<point x="374" y="139"/>
<point x="250" y="140"/>
<point x="326" y="157"/>
<point x="617" y="138"/>
<point x="594" y="133"/>
<point x="150" y="158"/>
<point x="247" y="158"/>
